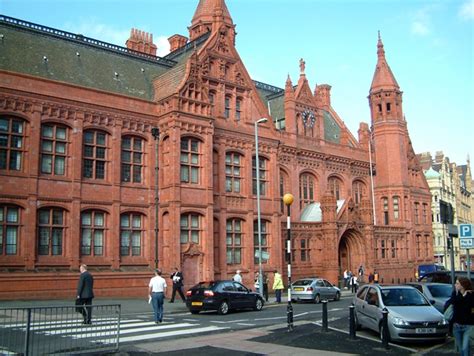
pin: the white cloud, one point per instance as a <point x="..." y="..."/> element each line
<point x="99" y="31"/>
<point x="419" y="28"/>
<point x="163" y="45"/>
<point x="466" y="12"/>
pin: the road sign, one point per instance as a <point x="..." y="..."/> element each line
<point x="466" y="243"/>
<point x="465" y="231"/>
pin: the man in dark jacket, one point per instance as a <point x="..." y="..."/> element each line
<point x="85" y="293"/>
<point x="177" y="278"/>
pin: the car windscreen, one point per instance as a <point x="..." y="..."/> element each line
<point x="303" y="282"/>
<point x="440" y="291"/>
<point x="403" y="297"/>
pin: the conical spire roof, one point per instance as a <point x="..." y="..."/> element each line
<point x="383" y="76"/>
<point x="208" y="9"/>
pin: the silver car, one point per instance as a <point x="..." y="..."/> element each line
<point x="314" y="289"/>
<point x="411" y="317"/>
<point x="437" y="293"/>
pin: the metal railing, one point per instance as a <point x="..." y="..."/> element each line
<point x="58" y="330"/>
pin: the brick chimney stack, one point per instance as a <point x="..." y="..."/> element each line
<point x="177" y="41"/>
<point x="141" y="41"/>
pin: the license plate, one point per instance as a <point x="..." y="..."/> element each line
<point x="196" y="304"/>
<point x="425" y="330"/>
<point x="298" y="289"/>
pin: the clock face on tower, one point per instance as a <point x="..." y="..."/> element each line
<point x="308" y="118"/>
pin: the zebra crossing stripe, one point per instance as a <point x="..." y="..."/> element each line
<point x="171" y="333"/>
<point x="155" y="327"/>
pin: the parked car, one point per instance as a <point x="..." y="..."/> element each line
<point x="436" y="293"/>
<point x="222" y="296"/>
<point x="433" y="267"/>
<point x="443" y="276"/>
<point x="314" y="289"/>
<point x="411" y="317"/>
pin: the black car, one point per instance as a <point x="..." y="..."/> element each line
<point x="222" y="296"/>
<point x="443" y="276"/>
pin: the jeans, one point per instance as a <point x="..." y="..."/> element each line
<point x="278" y="295"/>
<point x="462" y="335"/>
<point x="157" y="303"/>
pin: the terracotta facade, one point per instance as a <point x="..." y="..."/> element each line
<point x="85" y="178"/>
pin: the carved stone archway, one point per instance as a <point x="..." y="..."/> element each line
<point x="351" y="251"/>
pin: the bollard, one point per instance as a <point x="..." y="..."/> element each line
<point x="289" y="316"/>
<point x="384" y="331"/>
<point x="325" y="315"/>
<point x="352" y="328"/>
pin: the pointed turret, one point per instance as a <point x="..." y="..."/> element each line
<point x="209" y="16"/>
<point x="383" y="76"/>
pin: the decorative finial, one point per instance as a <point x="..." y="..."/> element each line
<point x="379" y="35"/>
<point x="302" y="66"/>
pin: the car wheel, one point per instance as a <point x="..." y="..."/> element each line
<point x="223" y="308"/>
<point x="317" y="299"/>
<point x="338" y="296"/>
<point x="258" y="304"/>
<point x="382" y="331"/>
<point x="194" y="311"/>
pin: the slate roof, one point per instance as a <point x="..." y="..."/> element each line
<point x="49" y="53"/>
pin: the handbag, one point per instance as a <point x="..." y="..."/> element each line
<point x="449" y="312"/>
<point x="79" y="309"/>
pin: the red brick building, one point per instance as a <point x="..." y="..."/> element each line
<point x="122" y="160"/>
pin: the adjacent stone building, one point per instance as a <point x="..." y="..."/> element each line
<point x="452" y="184"/>
<point x="122" y="160"/>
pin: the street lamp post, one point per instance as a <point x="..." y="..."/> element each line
<point x="156" y="135"/>
<point x="288" y="200"/>
<point x="259" y="221"/>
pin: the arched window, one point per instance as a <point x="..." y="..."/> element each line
<point x="358" y="191"/>
<point x="233" y="162"/>
<point x="95" y="154"/>
<point x="190" y="160"/>
<point x="190" y="226"/>
<point x="131" y="234"/>
<point x="132" y="159"/>
<point x="92" y="233"/>
<point x="238" y="108"/>
<point x="264" y="232"/>
<point x="234" y="241"/>
<point x="12" y="137"/>
<point x="9" y="229"/>
<point x="335" y="186"/>
<point x="54" y="140"/>
<point x="385" y="210"/>
<point x="51" y="226"/>
<point x="263" y="175"/>
<point x="396" y="208"/>
<point x="307" y="184"/>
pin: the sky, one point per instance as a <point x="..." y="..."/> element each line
<point x="429" y="46"/>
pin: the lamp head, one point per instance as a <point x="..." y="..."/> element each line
<point x="288" y="199"/>
<point x="262" y="120"/>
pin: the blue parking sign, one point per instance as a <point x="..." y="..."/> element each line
<point x="465" y="231"/>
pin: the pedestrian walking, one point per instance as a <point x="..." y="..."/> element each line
<point x="462" y="301"/>
<point x="85" y="293"/>
<point x="354" y="284"/>
<point x="371" y="277"/>
<point x="256" y="283"/>
<point x="346" y="278"/>
<point x="156" y="291"/>
<point x="265" y="286"/>
<point x="177" y="278"/>
<point x="277" y="286"/>
<point x="376" y="276"/>
<point x="237" y="276"/>
<point x="361" y="272"/>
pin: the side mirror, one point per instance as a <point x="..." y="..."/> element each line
<point x="432" y="302"/>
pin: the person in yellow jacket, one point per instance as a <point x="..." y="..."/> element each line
<point x="277" y="286"/>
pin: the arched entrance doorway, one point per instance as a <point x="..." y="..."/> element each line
<point x="351" y="251"/>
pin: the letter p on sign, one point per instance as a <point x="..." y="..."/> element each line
<point x="465" y="231"/>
